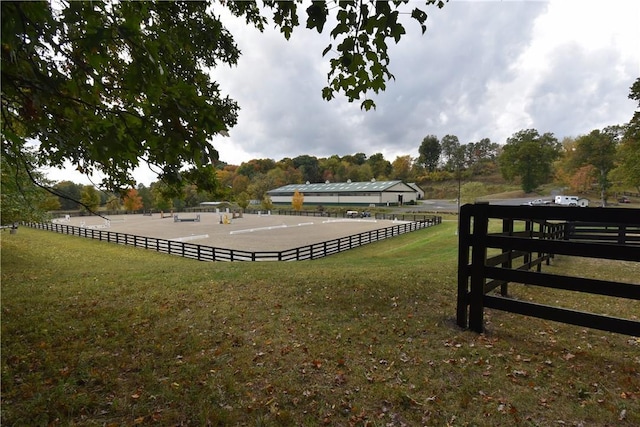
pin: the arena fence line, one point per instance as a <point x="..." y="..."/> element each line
<point x="210" y="253"/>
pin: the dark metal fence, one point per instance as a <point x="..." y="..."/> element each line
<point x="529" y="238"/>
<point x="209" y="253"/>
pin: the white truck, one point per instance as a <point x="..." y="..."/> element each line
<point x="571" y="201"/>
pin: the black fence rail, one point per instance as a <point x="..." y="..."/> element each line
<point x="529" y="238"/>
<point x="209" y="253"/>
<point x="622" y="234"/>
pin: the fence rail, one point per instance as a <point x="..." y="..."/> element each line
<point x="210" y="253"/>
<point x="542" y="232"/>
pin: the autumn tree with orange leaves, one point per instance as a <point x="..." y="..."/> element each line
<point x="132" y="201"/>
<point x="297" y="200"/>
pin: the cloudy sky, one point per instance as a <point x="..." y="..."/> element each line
<point x="483" y="69"/>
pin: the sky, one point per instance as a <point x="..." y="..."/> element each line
<point x="483" y="69"/>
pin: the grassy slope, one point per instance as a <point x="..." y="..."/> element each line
<point x="100" y="334"/>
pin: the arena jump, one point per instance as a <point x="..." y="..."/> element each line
<point x="178" y="219"/>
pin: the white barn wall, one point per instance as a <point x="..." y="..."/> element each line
<point x="365" y="193"/>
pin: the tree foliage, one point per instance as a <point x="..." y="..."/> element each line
<point x="20" y="200"/>
<point x="69" y="193"/>
<point x="107" y="86"/>
<point x="132" y="200"/>
<point x="598" y="149"/>
<point x="297" y="200"/>
<point x="401" y="168"/>
<point x="627" y="171"/>
<point x="90" y="198"/>
<point x="528" y="155"/>
<point x="448" y="146"/>
<point x="429" y="151"/>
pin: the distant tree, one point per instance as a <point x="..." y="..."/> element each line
<point x="277" y="178"/>
<point x="633" y="129"/>
<point x="355" y="159"/>
<point x="297" y="200"/>
<point x="69" y="194"/>
<point x="267" y="204"/>
<point x="529" y="156"/>
<point x="429" y="151"/>
<point x="193" y="196"/>
<point x="401" y="168"/>
<point x="162" y="200"/>
<point x="480" y="155"/>
<point x="90" y="198"/>
<point x="310" y="168"/>
<point x="458" y="159"/>
<point x="355" y="173"/>
<point x="564" y="167"/>
<point x="146" y="196"/>
<point x="132" y="201"/>
<point x="292" y="175"/>
<point x="260" y="185"/>
<point x="329" y="167"/>
<point x="580" y="181"/>
<point x="113" y="203"/>
<point x="255" y="166"/>
<point x="598" y="149"/>
<point x="240" y="184"/>
<point x="226" y="175"/>
<point x="448" y="146"/>
<point x="20" y="198"/>
<point x="243" y="200"/>
<point x="380" y="167"/>
<point x="627" y="172"/>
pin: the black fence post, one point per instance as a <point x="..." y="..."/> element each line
<point x="464" y="243"/>
<point x="478" y="259"/>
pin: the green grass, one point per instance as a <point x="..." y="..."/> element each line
<point x="100" y="334"/>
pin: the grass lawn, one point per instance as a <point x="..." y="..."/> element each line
<point x="99" y="334"/>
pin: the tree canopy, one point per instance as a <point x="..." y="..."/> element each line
<point x="629" y="149"/>
<point x="529" y="156"/>
<point x="107" y="86"/>
<point x="598" y="149"/>
<point x="429" y="150"/>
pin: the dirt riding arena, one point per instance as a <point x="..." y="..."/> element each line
<point x="251" y="232"/>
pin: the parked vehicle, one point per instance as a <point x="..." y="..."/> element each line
<point x="624" y="199"/>
<point x="571" y="201"/>
<point x="538" y="202"/>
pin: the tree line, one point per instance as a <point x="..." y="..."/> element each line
<point x="602" y="161"/>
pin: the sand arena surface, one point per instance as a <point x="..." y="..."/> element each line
<point x="252" y="232"/>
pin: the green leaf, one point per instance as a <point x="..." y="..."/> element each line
<point x="367" y="105"/>
<point x="326" y="49"/>
<point x="317" y="15"/>
<point x="420" y="16"/>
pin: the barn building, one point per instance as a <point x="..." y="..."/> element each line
<point x="369" y="193"/>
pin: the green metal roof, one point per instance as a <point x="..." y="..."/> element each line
<point x="336" y="187"/>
